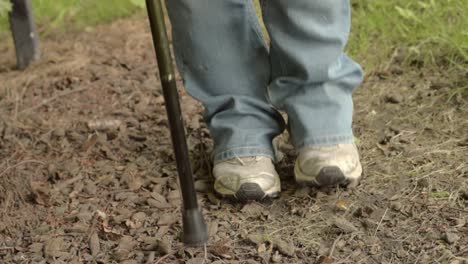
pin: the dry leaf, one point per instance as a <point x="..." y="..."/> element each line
<point x="90" y="142"/>
<point x="55" y="248"/>
<point x="221" y="249"/>
<point x="164" y="245"/>
<point x="167" y="219"/>
<point x="40" y="193"/>
<point x="136" y="221"/>
<point x="344" y="225"/>
<point x="158" y="197"/>
<point x="94" y="244"/>
<point x="158" y="204"/>
<point x="125" y="247"/>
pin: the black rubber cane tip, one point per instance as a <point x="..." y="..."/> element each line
<point x="195" y="231"/>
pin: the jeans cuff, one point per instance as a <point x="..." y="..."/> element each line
<point x="325" y="141"/>
<point x="242" y="151"/>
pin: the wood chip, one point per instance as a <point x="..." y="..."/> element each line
<point x="104" y="124"/>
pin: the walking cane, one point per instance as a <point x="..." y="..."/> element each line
<point x="194" y="227"/>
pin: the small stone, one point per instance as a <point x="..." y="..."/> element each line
<point x="59" y="132"/>
<point x="173" y="195"/>
<point x="464" y="193"/>
<point x="213" y="199"/>
<point x="261" y="248"/>
<point x="396" y="206"/>
<point x="203" y="186"/>
<point x="276" y="258"/>
<point x="302" y="192"/>
<point x="284" y="247"/>
<point x="340" y="244"/>
<point x="256" y="239"/>
<point x="450" y="237"/>
<point x="423" y="183"/>
<point x="460" y="222"/>
<point x="401" y="253"/>
<point x="393" y="98"/>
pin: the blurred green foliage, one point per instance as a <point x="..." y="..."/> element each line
<point x="433" y="32"/>
<point x="53" y="15"/>
<point x="5" y="6"/>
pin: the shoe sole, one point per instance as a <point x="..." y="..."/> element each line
<point x="251" y="191"/>
<point x="328" y="176"/>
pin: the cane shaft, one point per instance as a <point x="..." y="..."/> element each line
<point x="171" y="97"/>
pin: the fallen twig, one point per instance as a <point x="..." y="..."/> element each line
<point x="381" y="220"/>
<point x="7" y="248"/>
<point x="19" y="164"/>
<point x="53" y="98"/>
<point x="163" y="258"/>
<point x="330" y="255"/>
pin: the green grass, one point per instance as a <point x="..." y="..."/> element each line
<point x="53" y="15"/>
<point x="428" y="32"/>
<point x="431" y="32"/>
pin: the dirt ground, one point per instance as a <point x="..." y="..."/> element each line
<point x="87" y="173"/>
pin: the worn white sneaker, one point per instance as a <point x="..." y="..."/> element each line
<point x="247" y="178"/>
<point x="328" y="165"/>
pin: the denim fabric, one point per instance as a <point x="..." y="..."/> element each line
<point x="243" y="83"/>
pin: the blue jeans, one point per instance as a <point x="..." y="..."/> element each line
<point x="226" y="64"/>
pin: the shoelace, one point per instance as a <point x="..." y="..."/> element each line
<point x="242" y="162"/>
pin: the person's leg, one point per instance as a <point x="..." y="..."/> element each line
<point x="312" y="79"/>
<point x="224" y="62"/>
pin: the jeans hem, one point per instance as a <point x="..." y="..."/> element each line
<point x="325" y="141"/>
<point x="242" y="152"/>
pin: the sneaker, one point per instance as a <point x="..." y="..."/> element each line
<point x="328" y="166"/>
<point x="247" y="178"/>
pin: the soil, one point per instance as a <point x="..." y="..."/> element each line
<point x="87" y="173"/>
